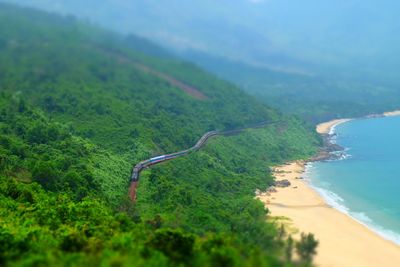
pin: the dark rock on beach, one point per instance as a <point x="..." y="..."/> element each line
<point x="282" y="183"/>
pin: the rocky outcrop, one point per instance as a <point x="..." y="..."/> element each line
<point x="282" y="183"/>
<point x="329" y="150"/>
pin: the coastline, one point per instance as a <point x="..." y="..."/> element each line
<point x="391" y="113"/>
<point x="327" y="127"/>
<point x="343" y="240"/>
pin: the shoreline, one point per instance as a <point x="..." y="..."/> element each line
<point x="344" y="241"/>
<point x="391" y="113"/>
<point x="325" y="128"/>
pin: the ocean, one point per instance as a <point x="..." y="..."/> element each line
<point x="365" y="184"/>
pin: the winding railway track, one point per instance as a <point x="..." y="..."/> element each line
<point x="200" y="143"/>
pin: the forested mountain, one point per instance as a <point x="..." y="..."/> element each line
<point x="79" y="106"/>
<point x="315" y="98"/>
<point x="274" y="50"/>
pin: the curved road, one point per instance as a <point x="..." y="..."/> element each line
<point x="202" y="141"/>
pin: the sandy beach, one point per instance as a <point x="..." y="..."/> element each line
<point x="343" y="241"/>
<point x="324" y="128"/>
<point x="392" y="113"/>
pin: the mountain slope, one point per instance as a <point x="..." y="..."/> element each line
<point x="80" y="107"/>
<point x="316" y="98"/>
<point x="274" y="49"/>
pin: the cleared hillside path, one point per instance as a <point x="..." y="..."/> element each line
<point x="125" y="59"/>
<point x="190" y="90"/>
<point x="200" y="143"/>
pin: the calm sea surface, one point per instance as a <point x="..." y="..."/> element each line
<point x="365" y="185"/>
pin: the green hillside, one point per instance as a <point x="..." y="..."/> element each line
<point x="313" y="97"/>
<point x="80" y="106"/>
<point x="314" y="59"/>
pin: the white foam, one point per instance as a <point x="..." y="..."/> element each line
<point x="332" y="130"/>
<point x="332" y="199"/>
<point x="370" y="224"/>
<point x="335" y="201"/>
<point x="308" y="166"/>
<point x="339" y="155"/>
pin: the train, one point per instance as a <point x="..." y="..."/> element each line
<point x="146" y="163"/>
<point x="155" y="160"/>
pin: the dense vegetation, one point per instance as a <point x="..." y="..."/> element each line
<point x="314" y="59"/>
<point x="79" y="107"/>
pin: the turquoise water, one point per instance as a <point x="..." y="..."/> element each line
<point x="366" y="184"/>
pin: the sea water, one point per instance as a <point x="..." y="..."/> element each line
<point x="366" y="183"/>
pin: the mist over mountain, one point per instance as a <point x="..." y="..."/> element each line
<point x="301" y="36"/>
<point x="322" y="57"/>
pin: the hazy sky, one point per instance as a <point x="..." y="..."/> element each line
<point x="358" y="33"/>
